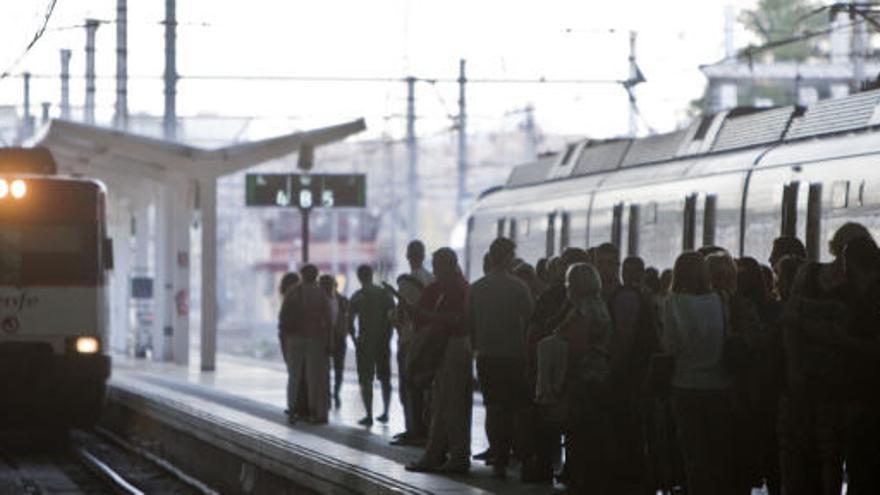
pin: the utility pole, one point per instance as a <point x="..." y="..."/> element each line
<point x="120" y="116"/>
<point x="634" y="76"/>
<point x="65" y="84"/>
<point x="45" y="117"/>
<point x="388" y="155"/>
<point x="462" y="139"/>
<point x="859" y="43"/>
<point x="27" y="127"/>
<point x="412" y="156"/>
<point x="169" y="119"/>
<point x="91" y="29"/>
<point x="531" y="134"/>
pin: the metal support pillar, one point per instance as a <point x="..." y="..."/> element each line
<point x="89" y="111"/>
<point x="208" y="200"/>
<point x="462" y="139"/>
<point x="120" y="115"/>
<point x="412" y="156"/>
<point x="304" y="214"/>
<point x="65" y="84"/>
<point x="169" y="119"/>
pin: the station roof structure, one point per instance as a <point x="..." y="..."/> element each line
<point x="84" y="149"/>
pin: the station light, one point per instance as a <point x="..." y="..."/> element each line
<point x="87" y="345"/>
<point x="18" y="188"/>
<point x="4" y="188"/>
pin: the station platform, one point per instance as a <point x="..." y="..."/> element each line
<point x="249" y="396"/>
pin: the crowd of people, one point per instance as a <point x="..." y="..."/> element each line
<point x="610" y="377"/>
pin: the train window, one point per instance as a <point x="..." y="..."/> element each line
<point x="814" y="217"/>
<point x="689" y="230"/>
<point x="512" y="227"/>
<point x="709" y="218"/>
<point x="551" y="234"/>
<point x="789" y="209"/>
<point x="634" y="223"/>
<point x="499" y="228"/>
<point x="617" y="224"/>
<point x="565" y="231"/>
<point x="649" y="213"/>
<point x="568" y="152"/>
<point x="840" y="194"/>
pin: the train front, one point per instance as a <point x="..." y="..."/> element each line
<point x="53" y="257"/>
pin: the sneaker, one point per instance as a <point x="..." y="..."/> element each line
<point x="367" y="421"/>
<point x="383" y="418"/>
<point x="400" y="435"/>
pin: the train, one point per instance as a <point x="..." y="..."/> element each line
<point x="54" y="258"/>
<point x="736" y="179"/>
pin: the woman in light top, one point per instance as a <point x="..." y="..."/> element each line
<point x="693" y="333"/>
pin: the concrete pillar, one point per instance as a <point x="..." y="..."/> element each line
<point x="119" y="229"/>
<point x="143" y="311"/>
<point x="172" y="250"/>
<point x="208" y="199"/>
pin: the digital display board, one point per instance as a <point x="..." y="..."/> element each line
<point x="306" y="190"/>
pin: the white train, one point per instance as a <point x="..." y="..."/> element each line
<point x="53" y="310"/>
<point x="737" y="179"/>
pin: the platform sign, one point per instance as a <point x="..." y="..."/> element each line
<point x="306" y="191"/>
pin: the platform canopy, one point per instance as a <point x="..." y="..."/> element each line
<point x="78" y="148"/>
<point x="142" y="172"/>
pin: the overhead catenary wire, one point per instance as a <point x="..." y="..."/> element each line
<point x="37" y="35"/>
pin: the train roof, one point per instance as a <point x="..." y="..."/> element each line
<point x="737" y="129"/>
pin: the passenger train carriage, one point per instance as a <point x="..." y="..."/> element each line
<point x="53" y="257"/>
<point x="737" y="179"/>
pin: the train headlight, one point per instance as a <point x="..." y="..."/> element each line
<point x="4" y="188"/>
<point x="87" y="345"/>
<point x="18" y="188"/>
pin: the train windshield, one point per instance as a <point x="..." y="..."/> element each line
<point x="47" y="255"/>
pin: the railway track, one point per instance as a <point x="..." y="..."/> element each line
<point x="88" y="463"/>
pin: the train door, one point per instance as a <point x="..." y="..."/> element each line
<point x="710" y="215"/>
<point x="617" y="225"/>
<point x="633" y="231"/>
<point x="788" y="225"/>
<point x="551" y="235"/>
<point x="814" y="221"/>
<point x="564" y="231"/>
<point x="689" y="229"/>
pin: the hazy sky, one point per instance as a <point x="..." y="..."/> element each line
<point x="501" y="39"/>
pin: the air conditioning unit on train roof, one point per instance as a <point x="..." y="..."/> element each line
<point x="37" y="161"/>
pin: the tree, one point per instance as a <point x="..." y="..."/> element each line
<point x="775" y="20"/>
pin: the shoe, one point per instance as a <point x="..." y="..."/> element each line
<point x="422" y="467"/>
<point x="482" y="456"/>
<point x="400" y="435"/>
<point x="455" y="467"/>
<point x="409" y="441"/>
<point x="367" y="421"/>
<point x="499" y="471"/>
<point x="383" y="418"/>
